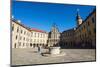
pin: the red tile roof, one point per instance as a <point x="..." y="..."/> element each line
<point x="37" y="30"/>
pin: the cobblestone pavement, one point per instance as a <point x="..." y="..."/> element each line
<point x="26" y="56"/>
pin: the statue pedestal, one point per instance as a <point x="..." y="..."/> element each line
<point x="54" y="50"/>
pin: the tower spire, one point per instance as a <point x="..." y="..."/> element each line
<point x="78" y="18"/>
<point x="77" y="12"/>
<point x="78" y="15"/>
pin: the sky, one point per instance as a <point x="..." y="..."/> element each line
<point x="41" y="15"/>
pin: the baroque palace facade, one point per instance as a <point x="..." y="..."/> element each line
<point x="84" y="35"/>
<point x="54" y="36"/>
<point x="24" y="37"/>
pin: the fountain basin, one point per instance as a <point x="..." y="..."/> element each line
<point x="54" y="50"/>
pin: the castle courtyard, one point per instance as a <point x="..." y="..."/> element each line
<point x="29" y="56"/>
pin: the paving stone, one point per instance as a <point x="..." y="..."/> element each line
<point x="31" y="56"/>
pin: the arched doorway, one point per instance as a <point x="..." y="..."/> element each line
<point x="30" y="44"/>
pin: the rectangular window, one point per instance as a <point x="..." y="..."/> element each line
<point x="84" y="26"/>
<point x="21" y="31"/>
<point x="93" y="19"/>
<point x="16" y="37"/>
<point x="88" y="29"/>
<point x="18" y="29"/>
<point x="15" y="45"/>
<point x="24" y="38"/>
<point x="12" y="27"/>
<point x="88" y="23"/>
<point x="41" y="35"/>
<point x="38" y="34"/>
<point x="24" y="32"/>
<point x="34" y="34"/>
